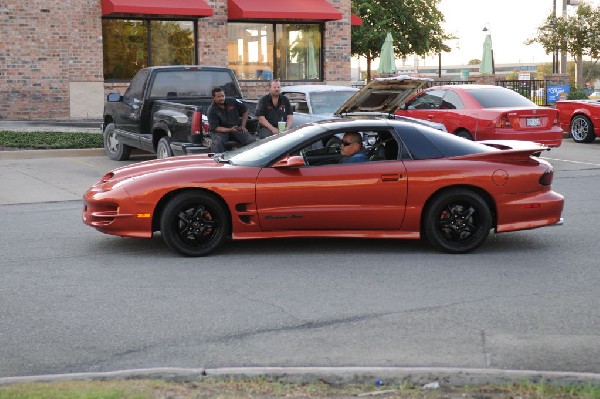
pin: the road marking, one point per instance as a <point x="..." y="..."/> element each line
<point x="567" y="160"/>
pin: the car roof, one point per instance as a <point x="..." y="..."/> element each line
<point x="316" y="88"/>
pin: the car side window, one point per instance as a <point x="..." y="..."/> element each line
<point x="429" y="99"/>
<point x="451" y="100"/>
<point x="135" y="91"/>
<point x="376" y="145"/>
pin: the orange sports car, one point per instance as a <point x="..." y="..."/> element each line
<point x="415" y="182"/>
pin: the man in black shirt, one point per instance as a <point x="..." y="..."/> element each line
<point x="227" y="120"/>
<point x="271" y="109"/>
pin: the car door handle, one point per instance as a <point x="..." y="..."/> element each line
<point x="392" y="177"/>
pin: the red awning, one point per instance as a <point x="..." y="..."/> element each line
<point x="309" y="10"/>
<point x="191" y="8"/>
<point x="355" y="20"/>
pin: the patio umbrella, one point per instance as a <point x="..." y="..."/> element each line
<point x="487" y="59"/>
<point x="312" y="70"/>
<point x="387" y="63"/>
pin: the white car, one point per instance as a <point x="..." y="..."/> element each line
<point x="313" y="103"/>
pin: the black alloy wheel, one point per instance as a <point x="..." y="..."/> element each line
<point x="457" y="221"/>
<point x="194" y="223"/>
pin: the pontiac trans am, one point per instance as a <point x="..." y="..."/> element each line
<point x="418" y="183"/>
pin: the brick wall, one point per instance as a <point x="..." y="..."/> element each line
<point x="48" y="47"/>
<point x="44" y="45"/>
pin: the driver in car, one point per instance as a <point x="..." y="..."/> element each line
<point x="352" y="148"/>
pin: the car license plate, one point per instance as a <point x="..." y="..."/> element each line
<point x="533" y="122"/>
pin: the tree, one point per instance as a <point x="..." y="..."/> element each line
<point x="577" y="34"/>
<point x="474" y="61"/>
<point x="415" y="26"/>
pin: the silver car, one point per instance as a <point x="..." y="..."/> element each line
<point x="313" y="103"/>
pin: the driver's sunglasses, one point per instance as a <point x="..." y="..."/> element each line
<point x="347" y="143"/>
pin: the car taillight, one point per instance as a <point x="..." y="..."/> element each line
<point x="546" y="178"/>
<point x="197" y="122"/>
<point x="503" y="122"/>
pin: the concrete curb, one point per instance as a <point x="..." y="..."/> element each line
<point x="38" y="154"/>
<point x="334" y="375"/>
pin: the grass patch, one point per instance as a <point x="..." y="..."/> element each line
<point x="49" y="140"/>
<point x="262" y="388"/>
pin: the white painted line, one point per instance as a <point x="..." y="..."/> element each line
<point x="567" y="160"/>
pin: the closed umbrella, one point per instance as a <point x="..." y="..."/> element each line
<point x="312" y="70"/>
<point x="387" y="62"/>
<point x="487" y="59"/>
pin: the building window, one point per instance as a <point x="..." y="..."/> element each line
<point x="259" y="51"/>
<point x="133" y="44"/>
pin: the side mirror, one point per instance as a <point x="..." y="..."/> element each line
<point x="113" y="97"/>
<point x="293" y="161"/>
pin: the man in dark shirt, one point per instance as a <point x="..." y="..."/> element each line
<point x="271" y="109"/>
<point x="352" y="148"/>
<point x="227" y="120"/>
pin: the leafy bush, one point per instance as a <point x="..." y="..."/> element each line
<point x="50" y="140"/>
<point x="577" y="94"/>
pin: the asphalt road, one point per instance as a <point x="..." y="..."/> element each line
<point x="74" y="300"/>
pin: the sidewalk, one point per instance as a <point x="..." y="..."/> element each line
<point x="72" y="125"/>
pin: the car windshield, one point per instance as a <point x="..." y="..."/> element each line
<point x="495" y="98"/>
<point x="263" y="151"/>
<point x="330" y="101"/>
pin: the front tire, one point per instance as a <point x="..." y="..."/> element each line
<point x="457" y="221"/>
<point x="582" y="129"/>
<point x="163" y="148"/>
<point x="115" y="150"/>
<point x="194" y="223"/>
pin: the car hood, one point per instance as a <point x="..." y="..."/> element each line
<point x="383" y="95"/>
<point x="158" y="165"/>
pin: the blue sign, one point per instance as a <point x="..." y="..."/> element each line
<point x="554" y="93"/>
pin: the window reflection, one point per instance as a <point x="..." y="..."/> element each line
<point x="133" y="44"/>
<point x="284" y="51"/>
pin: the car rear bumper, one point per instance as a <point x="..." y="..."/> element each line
<point x="529" y="211"/>
<point x="551" y="138"/>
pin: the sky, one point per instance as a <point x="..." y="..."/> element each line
<point x="510" y="23"/>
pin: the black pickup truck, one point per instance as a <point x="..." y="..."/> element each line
<point x="164" y="111"/>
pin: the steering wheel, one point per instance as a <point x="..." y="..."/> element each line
<point x="333" y="145"/>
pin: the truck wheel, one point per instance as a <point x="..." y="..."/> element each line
<point x="457" y="221"/>
<point x="163" y="148"/>
<point x="582" y="129"/>
<point x="114" y="149"/>
<point x="194" y="223"/>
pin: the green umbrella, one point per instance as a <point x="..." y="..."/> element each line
<point x="387" y="63"/>
<point x="487" y="59"/>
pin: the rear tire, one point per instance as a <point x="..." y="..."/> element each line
<point x="457" y="221"/>
<point x="582" y="129"/>
<point x="115" y="150"/>
<point x="163" y="148"/>
<point x="465" y="134"/>
<point x="194" y="223"/>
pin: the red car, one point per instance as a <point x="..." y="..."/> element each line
<point x="485" y="112"/>
<point x="416" y="182"/>
<point x="581" y="118"/>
